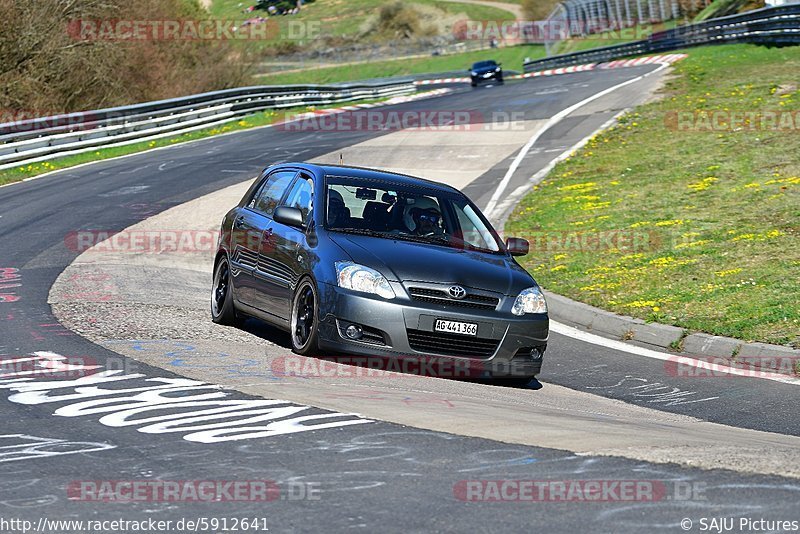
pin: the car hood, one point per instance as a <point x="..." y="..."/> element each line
<point x="405" y="261"/>
<point x="484" y="70"/>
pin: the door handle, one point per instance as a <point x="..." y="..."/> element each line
<point x="238" y="222"/>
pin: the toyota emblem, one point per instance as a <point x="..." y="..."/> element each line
<point x="457" y="292"/>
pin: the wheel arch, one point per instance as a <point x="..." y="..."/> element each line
<point x="221" y="253"/>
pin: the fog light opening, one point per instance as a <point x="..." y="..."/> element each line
<point x="354" y="332"/>
<point x="536" y="353"/>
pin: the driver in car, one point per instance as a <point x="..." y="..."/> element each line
<point x="427" y="221"/>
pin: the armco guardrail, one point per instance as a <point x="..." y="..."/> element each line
<point x="39" y="139"/>
<point x="771" y="26"/>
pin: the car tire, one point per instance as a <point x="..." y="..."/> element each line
<point x="223" y="310"/>
<point x="500" y="79"/>
<point x="473" y="84"/>
<point x="304" y="326"/>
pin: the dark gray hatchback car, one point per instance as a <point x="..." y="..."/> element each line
<point x="364" y="262"/>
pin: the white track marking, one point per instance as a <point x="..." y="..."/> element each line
<point x="555" y="119"/>
<point x="504" y="208"/>
<point x="218" y="419"/>
<point x="569" y="331"/>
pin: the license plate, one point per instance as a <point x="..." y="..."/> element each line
<point x="456" y="327"/>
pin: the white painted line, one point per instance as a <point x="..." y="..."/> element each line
<point x="621" y="346"/>
<point x="555" y="119"/>
<point x="510" y="200"/>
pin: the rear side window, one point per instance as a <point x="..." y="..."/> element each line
<point x="271" y="193"/>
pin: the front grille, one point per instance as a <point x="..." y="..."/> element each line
<point x="451" y="344"/>
<point x="441" y="296"/>
<point x="372" y="336"/>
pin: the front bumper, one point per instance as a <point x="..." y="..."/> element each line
<point x="506" y="345"/>
<point x="487" y="76"/>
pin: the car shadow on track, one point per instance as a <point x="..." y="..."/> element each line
<point x="267" y="332"/>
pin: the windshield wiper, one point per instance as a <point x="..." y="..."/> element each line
<point x="393" y="235"/>
<point x="448" y="241"/>
<point x="361" y="231"/>
<point x="432" y="239"/>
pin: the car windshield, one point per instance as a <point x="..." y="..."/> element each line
<point x="484" y="64"/>
<point x="401" y="211"/>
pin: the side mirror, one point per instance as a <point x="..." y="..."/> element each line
<point x="289" y="216"/>
<point x="517" y="246"/>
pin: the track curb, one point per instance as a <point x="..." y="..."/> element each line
<point x="671" y="338"/>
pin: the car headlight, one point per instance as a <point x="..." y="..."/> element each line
<point x="356" y="277"/>
<point x="474" y="73"/>
<point x="497" y="69"/>
<point x="530" y="300"/>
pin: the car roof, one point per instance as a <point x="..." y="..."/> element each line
<point x="371" y="174"/>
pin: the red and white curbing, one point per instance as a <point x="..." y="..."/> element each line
<point x="389" y="102"/>
<point x="559" y="70"/>
<point x="442" y="80"/>
<point x="647" y="60"/>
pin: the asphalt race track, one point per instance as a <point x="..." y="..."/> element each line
<point x="366" y="474"/>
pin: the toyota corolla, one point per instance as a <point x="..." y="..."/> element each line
<point x="365" y="262"/>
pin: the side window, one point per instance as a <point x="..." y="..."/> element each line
<point x="301" y="196"/>
<point x="268" y="198"/>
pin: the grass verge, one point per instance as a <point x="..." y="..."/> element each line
<point x="669" y="220"/>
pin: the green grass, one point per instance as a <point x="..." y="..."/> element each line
<point x="511" y="57"/>
<point x="262" y="118"/>
<point x="346" y="17"/>
<point x="718" y="8"/>
<point x="715" y="215"/>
